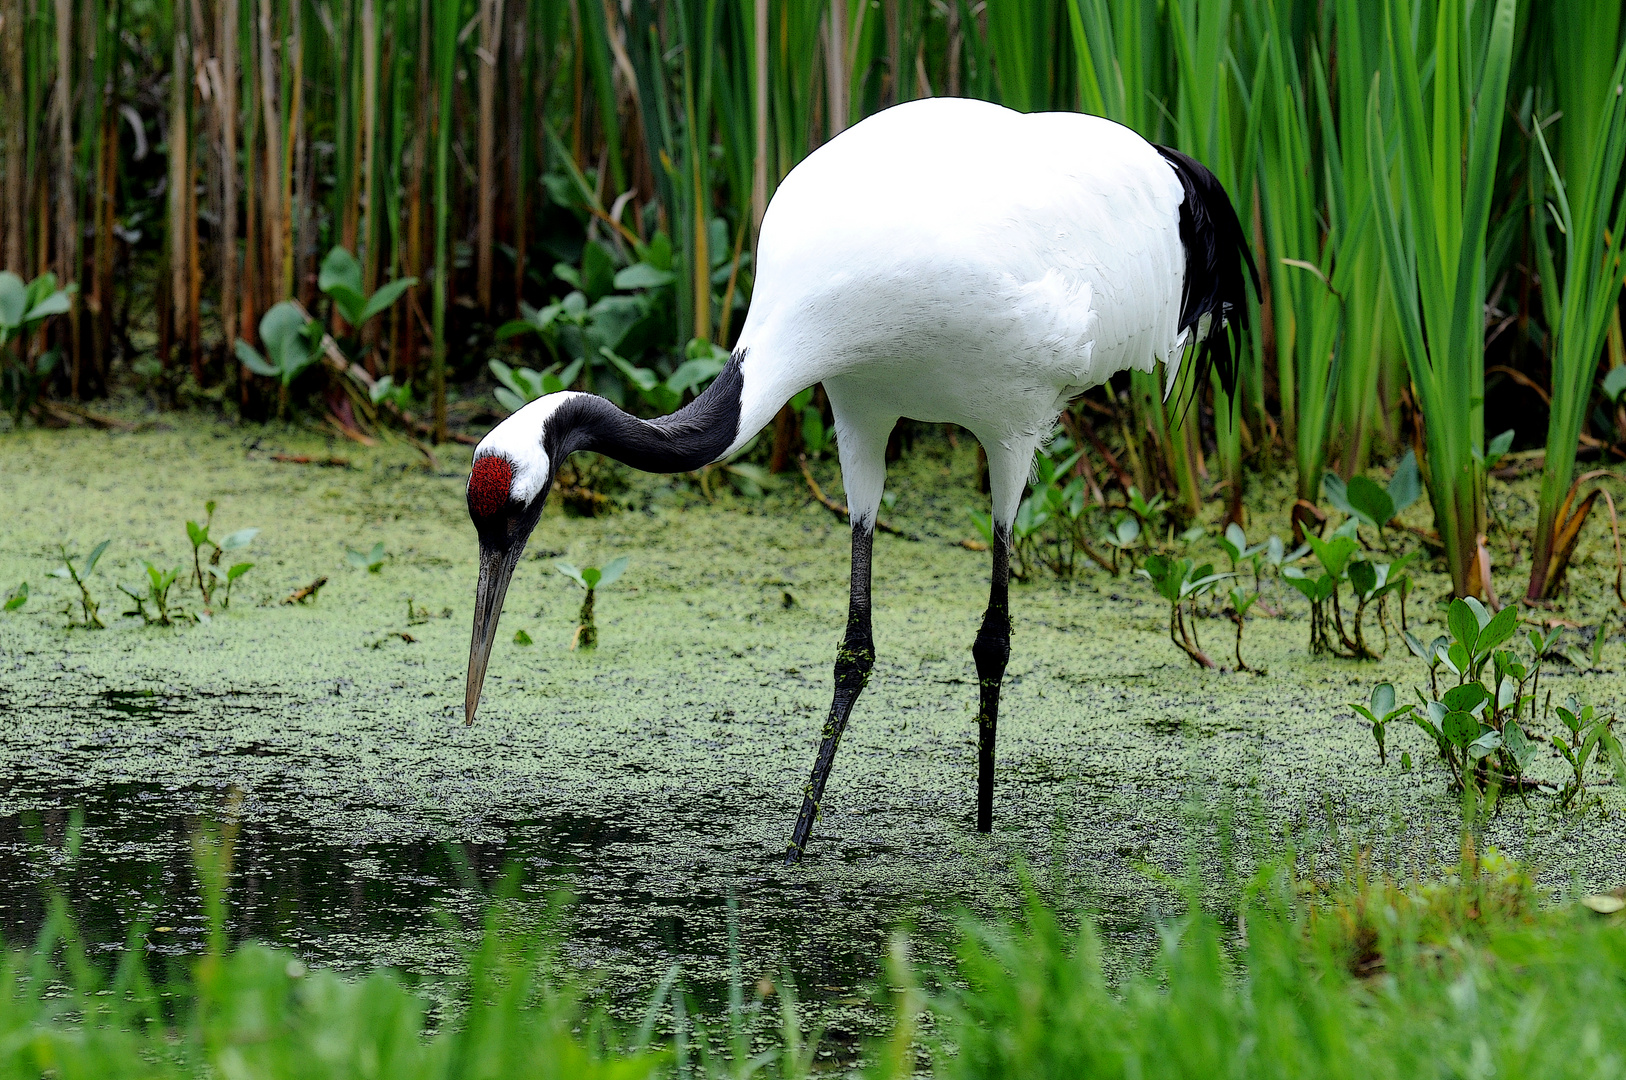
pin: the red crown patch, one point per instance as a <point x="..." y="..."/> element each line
<point x="489" y="485"/>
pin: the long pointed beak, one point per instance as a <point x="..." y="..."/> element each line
<point x="496" y="571"/>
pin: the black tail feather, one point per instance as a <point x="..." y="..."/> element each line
<point x="1216" y="251"/>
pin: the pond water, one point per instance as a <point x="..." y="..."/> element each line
<point x="656" y="779"/>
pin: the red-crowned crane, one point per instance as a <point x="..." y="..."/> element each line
<point x="945" y="260"/>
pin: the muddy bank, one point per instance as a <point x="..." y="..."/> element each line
<point x="660" y="776"/>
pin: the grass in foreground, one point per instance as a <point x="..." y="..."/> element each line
<point x="1462" y="976"/>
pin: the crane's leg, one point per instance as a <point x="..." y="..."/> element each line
<point x="861" y="441"/>
<point x="992" y="651"/>
<point x="1009" y="460"/>
<point x="854" y="659"/>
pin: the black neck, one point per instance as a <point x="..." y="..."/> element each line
<point x="694" y="436"/>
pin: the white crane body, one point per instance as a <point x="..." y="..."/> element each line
<point x="946" y="260"/>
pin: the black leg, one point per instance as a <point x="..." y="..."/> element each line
<point x="854" y="658"/>
<point x="991" y="651"/>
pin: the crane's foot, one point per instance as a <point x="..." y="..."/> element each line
<point x="853" y="662"/>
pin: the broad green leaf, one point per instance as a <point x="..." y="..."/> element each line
<point x="250" y="358"/>
<point x="1499" y="630"/>
<point x="692" y="373"/>
<point x="18" y="598"/>
<point x="384" y="297"/>
<point x="238" y="570"/>
<point x="1337" y="492"/>
<point x="381" y="389"/>
<point x="1465" y="698"/>
<point x="515" y="327"/>
<point x="1464" y="626"/>
<point x="614" y="569"/>
<point x="1406" y="486"/>
<point x="1460" y="728"/>
<point x="521" y="638"/>
<point x="240" y="538"/>
<point x="340" y="270"/>
<point x="197" y="534"/>
<point x="1487" y="743"/>
<point x="505" y="375"/>
<point x="1481" y="612"/>
<point x="508" y="399"/>
<point x="570" y="571"/>
<point x="1383" y="698"/>
<point x="1371" y="502"/>
<point x="376" y="556"/>
<point x="1520" y="745"/>
<point x="1363" y="577"/>
<point x="641" y="275"/>
<point x="598" y="271"/>
<point x="356" y="558"/>
<point x="1415" y="644"/>
<point x="13" y="300"/>
<point x="58" y="303"/>
<point x="1128" y="530"/>
<point x="1615" y="382"/>
<point x="591" y="575"/>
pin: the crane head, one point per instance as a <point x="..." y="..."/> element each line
<point x="505" y="496"/>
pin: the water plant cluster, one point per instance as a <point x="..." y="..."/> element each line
<point x="1480" y="710"/>
<point x="152" y="599"/>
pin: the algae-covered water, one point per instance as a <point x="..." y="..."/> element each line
<point x="658" y="777"/>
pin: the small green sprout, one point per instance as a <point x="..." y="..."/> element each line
<point x="371" y="561"/>
<point x="207" y="576"/>
<point x="1123" y="537"/>
<point x="521" y="638"/>
<point x="1380" y="712"/>
<point x="87" y="603"/>
<point x="1590" y="738"/>
<point x="590" y="578"/>
<point x="18" y="597"/>
<point x="1179" y="581"/>
<point x="159" y="583"/>
<point x="1240" y="603"/>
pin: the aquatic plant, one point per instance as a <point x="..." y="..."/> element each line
<point x="1591" y="737"/>
<point x="1475" y="722"/>
<point x="521" y="385"/>
<point x="591" y="579"/>
<point x="1342" y="561"/>
<point x="87" y="604"/>
<point x="209" y="575"/>
<point x="1432" y="217"/>
<point x="1582" y="306"/>
<point x="1241" y="602"/>
<point x="1123" y="536"/>
<point x="292" y="343"/>
<point x="159" y="582"/>
<point x="1182" y="582"/>
<point x="371" y="561"/>
<point x="1373" y="506"/>
<point x="22" y="309"/>
<point x="341" y="280"/>
<point x="17" y="597"/>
